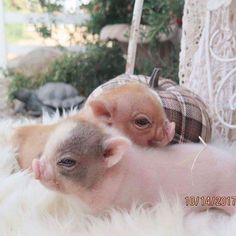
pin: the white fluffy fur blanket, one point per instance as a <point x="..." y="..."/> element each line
<point x="27" y="208"/>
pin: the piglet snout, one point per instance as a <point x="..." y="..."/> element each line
<point x="170" y="130"/>
<point x="164" y="134"/>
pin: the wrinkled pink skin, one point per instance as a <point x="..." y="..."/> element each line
<point x="142" y="175"/>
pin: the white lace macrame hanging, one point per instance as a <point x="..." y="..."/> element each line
<point x="211" y="72"/>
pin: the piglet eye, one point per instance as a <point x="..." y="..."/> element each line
<point x="142" y="122"/>
<point x="66" y="162"/>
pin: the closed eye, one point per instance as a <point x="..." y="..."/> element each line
<point x="67" y="163"/>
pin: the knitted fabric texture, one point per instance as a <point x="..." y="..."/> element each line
<point x="208" y="60"/>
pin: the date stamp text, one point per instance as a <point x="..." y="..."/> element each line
<point x="210" y="201"/>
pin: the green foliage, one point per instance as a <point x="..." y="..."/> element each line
<point x="50" y="6"/>
<point x="85" y="71"/>
<point x="88" y="70"/>
<point x="44" y="30"/>
<point x="18" y="81"/>
<point x="158" y="14"/>
<point x="100" y="63"/>
<point x="105" y="12"/>
<point x="45" y="6"/>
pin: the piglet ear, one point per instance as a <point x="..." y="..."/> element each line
<point x="36" y="168"/>
<point x="101" y="110"/>
<point x="114" y="150"/>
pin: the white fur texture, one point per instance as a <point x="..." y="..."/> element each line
<point x="27" y="208"/>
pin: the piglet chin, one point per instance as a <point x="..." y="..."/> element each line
<point x="154" y="143"/>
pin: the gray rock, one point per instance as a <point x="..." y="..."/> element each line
<point x="35" y="63"/>
<point x="50" y="97"/>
